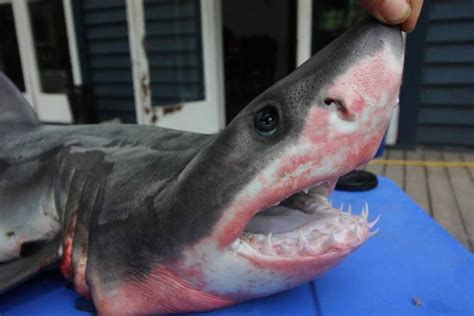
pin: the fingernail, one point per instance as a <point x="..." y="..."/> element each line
<point x="394" y="11"/>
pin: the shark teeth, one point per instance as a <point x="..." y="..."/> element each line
<point x="365" y="211"/>
<point x="374" y="222"/>
<point x="268" y="246"/>
<point x="373" y="233"/>
<point x="331" y="230"/>
<point x="235" y="245"/>
<point x="301" y="241"/>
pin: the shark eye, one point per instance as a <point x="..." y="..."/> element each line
<point x="266" y="121"/>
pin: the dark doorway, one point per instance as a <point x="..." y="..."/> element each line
<point x="10" y="62"/>
<point x="51" y="45"/>
<point x="259" y="48"/>
<point x="331" y="18"/>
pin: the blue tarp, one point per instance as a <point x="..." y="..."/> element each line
<point x="412" y="258"/>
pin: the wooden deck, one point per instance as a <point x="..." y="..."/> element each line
<point x="445" y="190"/>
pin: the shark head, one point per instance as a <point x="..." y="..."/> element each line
<point x="250" y="213"/>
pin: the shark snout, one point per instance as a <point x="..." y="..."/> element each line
<point x="391" y="35"/>
<point x="368" y="82"/>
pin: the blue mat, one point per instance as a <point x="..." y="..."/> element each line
<point x="412" y="258"/>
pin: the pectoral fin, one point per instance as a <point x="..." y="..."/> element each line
<point x="35" y="257"/>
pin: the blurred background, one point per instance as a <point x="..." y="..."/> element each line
<point x="194" y="64"/>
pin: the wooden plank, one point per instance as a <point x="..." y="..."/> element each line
<point x="443" y="201"/>
<point x="396" y="173"/>
<point x="469" y="157"/>
<point x="463" y="188"/>
<point x="416" y="184"/>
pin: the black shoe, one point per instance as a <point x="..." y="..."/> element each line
<point x="357" y="180"/>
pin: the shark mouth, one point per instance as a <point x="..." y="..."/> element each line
<point x="305" y="226"/>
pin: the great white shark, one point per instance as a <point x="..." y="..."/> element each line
<point x="146" y="220"/>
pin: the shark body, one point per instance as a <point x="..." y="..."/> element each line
<point x="145" y="220"/>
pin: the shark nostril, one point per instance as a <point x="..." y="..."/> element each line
<point x="329" y="101"/>
<point x="344" y="113"/>
<point x="337" y="103"/>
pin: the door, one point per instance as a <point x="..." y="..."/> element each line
<point x="39" y="63"/>
<point x="259" y="48"/>
<point x="176" y="54"/>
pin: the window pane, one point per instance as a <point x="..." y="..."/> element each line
<point x="10" y="62"/>
<point x="174" y="50"/>
<point x="50" y="41"/>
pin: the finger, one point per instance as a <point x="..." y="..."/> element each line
<point x="410" y="23"/>
<point x="388" y="11"/>
<point x="372" y="7"/>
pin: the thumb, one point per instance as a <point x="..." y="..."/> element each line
<point x="388" y="11"/>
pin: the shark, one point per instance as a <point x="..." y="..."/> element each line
<point x="146" y="220"/>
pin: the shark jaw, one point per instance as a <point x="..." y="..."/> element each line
<point x="286" y="243"/>
<point x="280" y="247"/>
<point x="304" y="226"/>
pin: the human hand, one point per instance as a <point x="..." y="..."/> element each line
<point x="396" y="12"/>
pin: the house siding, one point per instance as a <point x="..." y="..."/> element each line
<point x="446" y="101"/>
<point x="174" y="50"/>
<point x="105" y="53"/>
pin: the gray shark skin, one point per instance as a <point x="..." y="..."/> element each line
<point x="146" y="220"/>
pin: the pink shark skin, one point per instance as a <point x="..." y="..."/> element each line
<point x="230" y="265"/>
<point x="162" y="293"/>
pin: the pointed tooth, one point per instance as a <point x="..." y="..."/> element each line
<point x="301" y="241"/>
<point x="373" y="233"/>
<point x="364" y="214"/>
<point x="325" y="245"/>
<point x="367" y="208"/>
<point x="306" y="190"/>
<point x="373" y="223"/>
<point x="349" y="210"/>
<point x="309" y="249"/>
<point x="308" y="246"/>
<point x="245" y="246"/>
<point x="268" y="246"/>
<point x="235" y="245"/>
<point x="341" y="208"/>
<point x="268" y="240"/>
